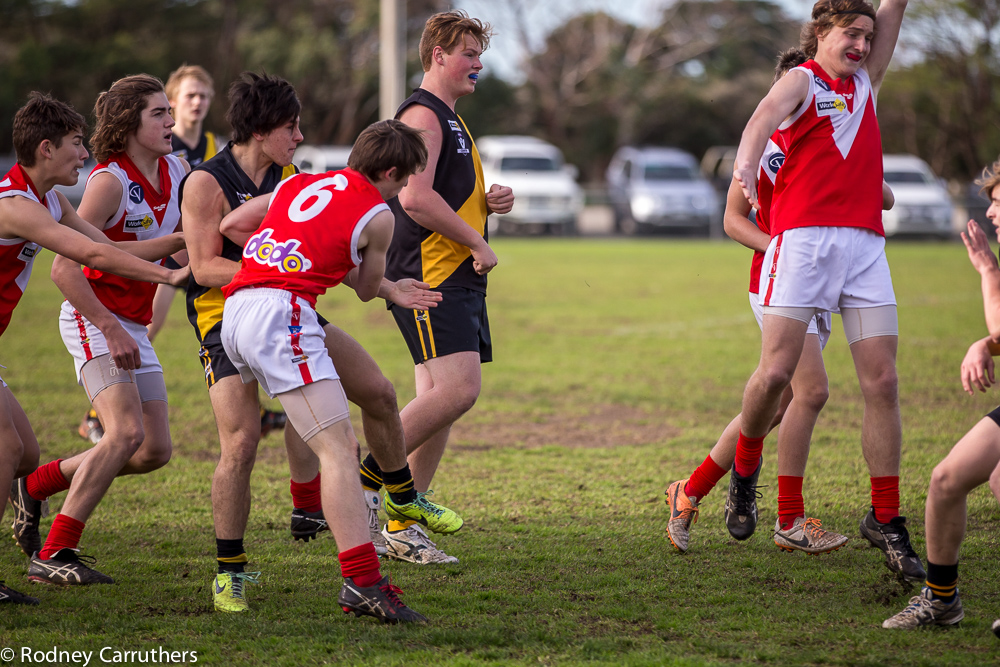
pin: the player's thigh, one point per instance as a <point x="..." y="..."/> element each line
<point x="973" y="458"/>
<point x="16" y="434"/>
<point x="236" y="408"/>
<point x="120" y="408"/>
<point x="461" y="371"/>
<point x="360" y="376"/>
<point x="318" y="407"/>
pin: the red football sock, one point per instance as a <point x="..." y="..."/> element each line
<point x="306" y="495"/>
<point x="361" y="565"/>
<point x="790" y="503"/>
<point x="885" y="497"/>
<point x="704" y="478"/>
<point x="64" y="534"/>
<point x="748" y="452"/>
<point x="46" y="480"/>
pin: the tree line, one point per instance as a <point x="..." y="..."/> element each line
<point x="691" y="80"/>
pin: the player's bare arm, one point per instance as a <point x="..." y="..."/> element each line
<point x="427" y="208"/>
<point x="782" y="100"/>
<point x="373" y="243"/>
<point x="737" y="224"/>
<point x="888" y="198"/>
<point x="239" y="225"/>
<point x="985" y="262"/>
<point x="202" y="210"/>
<point x="888" y="19"/>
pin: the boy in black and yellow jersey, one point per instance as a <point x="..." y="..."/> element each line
<point x="264" y="114"/>
<point x="440" y="239"/>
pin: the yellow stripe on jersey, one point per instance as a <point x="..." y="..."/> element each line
<point x="440" y="256"/>
<point x="289" y="170"/>
<point x="210" y="148"/>
<point x="209" y="308"/>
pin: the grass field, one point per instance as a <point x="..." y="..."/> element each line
<point x="617" y="365"/>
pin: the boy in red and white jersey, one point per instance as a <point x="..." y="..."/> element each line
<point x="827" y="250"/>
<point x="316" y="231"/>
<point x="132" y="198"/>
<point x="48" y="140"/>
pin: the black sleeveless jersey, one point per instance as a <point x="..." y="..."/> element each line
<point x="417" y="252"/>
<point x="204" y="304"/>
<point x="207" y="147"/>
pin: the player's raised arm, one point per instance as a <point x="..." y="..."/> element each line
<point x="239" y="225"/>
<point x="888" y="20"/>
<point x="783" y="99"/>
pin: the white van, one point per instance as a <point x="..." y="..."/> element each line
<point x="922" y="206"/>
<point x="546" y="195"/>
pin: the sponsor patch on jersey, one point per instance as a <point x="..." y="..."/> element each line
<point x="774" y="161"/>
<point x="821" y="83"/>
<point x="295" y="330"/>
<point x="282" y="255"/>
<point x="135" y="193"/>
<point x="28" y="252"/>
<point x="828" y="106"/>
<point x="301" y="359"/>
<point x="244" y="196"/>
<point x="137" y="223"/>
<point x="453" y="125"/>
<point x="461" y="143"/>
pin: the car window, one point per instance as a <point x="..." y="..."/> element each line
<point x="909" y="177"/>
<point x="515" y="163"/>
<point x="668" y="172"/>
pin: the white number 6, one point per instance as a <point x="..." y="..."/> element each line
<point x="319" y="191"/>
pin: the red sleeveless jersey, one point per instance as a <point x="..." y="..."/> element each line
<point x="18" y="255"/>
<point x="142" y="214"/>
<point x="832" y="174"/>
<point x="770" y="163"/>
<point x="308" y="241"/>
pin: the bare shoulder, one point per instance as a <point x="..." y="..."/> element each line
<point x="421" y="117"/>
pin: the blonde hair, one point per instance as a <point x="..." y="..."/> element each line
<point x="185" y="71"/>
<point x="989" y="179"/>
<point x="448" y="30"/>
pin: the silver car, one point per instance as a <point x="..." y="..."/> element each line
<point x="661" y="189"/>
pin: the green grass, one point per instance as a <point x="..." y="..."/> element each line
<point x="617" y="365"/>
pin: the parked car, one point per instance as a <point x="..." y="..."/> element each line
<point x="659" y="189"/>
<point x="923" y="206"/>
<point x="317" y="159"/>
<point x="546" y="195"/>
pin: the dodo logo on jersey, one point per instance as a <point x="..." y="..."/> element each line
<point x="137" y="223"/>
<point x="135" y="193"/>
<point x="282" y="255"/>
<point x="829" y="107"/>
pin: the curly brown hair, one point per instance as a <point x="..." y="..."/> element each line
<point x="829" y="13"/>
<point x="119" y="112"/>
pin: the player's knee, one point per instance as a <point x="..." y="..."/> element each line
<point x="125" y="437"/>
<point x="881" y="386"/>
<point x="947" y="483"/>
<point x="995" y="483"/>
<point x="27" y="461"/>
<point x="239" y="451"/>
<point x="148" y="459"/>
<point x="775" y="379"/>
<point x="814" y="396"/>
<point x="383" y="404"/>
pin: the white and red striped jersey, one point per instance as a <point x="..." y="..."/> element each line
<point x="832" y="174"/>
<point x="770" y="163"/>
<point x="142" y="214"/>
<point x="18" y="255"/>
<point x="308" y="240"/>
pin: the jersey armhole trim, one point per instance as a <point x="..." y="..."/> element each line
<point x="358" y="228"/>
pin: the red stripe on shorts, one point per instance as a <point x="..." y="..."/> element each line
<point x="296" y="348"/>
<point x="773" y="271"/>
<point x="81" y="327"/>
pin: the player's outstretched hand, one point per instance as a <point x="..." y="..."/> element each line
<point x="977" y="368"/>
<point x="978" y="245"/>
<point x="179" y="277"/>
<point x="500" y="199"/>
<point x="483" y="259"/>
<point x="413" y="295"/>
<point x="746" y="176"/>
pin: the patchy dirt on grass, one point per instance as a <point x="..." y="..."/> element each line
<point x="603" y="426"/>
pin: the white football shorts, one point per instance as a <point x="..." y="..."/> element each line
<point x="273" y="336"/>
<point x="828" y="268"/>
<point x="84" y="341"/>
